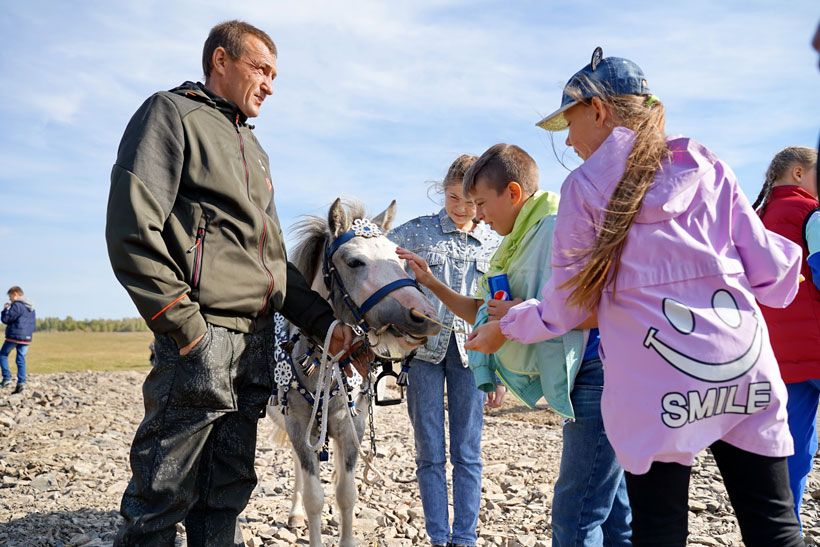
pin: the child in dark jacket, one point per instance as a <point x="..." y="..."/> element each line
<point x="18" y="316"/>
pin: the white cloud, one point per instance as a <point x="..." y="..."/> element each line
<point x="374" y="98"/>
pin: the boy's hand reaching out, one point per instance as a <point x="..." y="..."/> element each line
<point x="497" y="309"/>
<point x="487" y="338"/>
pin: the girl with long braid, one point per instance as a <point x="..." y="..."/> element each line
<point x="792" y="166"/>
<point x="655" y="237"/>
<point x="788" y="198"/>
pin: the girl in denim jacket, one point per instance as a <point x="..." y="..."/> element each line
<point x="458" y="252"/>
<point x="655" y="237"/>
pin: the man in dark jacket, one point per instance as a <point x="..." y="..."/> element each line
<point x="193" y="235"/>
<point x="18" y="316"/>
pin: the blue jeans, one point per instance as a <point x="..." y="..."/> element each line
<point x="590" y="505"/>
<point x="465" y="405"/>
<point x="802" y="409"/>
<point x="5" y="351"/>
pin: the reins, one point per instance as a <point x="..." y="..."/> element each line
<point x="328" y="371"/>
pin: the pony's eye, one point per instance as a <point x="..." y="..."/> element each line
<point x="355" y="263"/>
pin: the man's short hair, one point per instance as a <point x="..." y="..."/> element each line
<point x="501" y="164"/>
<point x="231" y="36"/>
<point x="15" y="290"/>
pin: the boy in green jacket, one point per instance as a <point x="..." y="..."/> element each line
<point x="590" y="498"/>
<point x="504" y="185"/>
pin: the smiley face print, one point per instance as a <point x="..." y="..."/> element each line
<point x="684" y="320"/>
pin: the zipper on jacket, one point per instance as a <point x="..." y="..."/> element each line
<point x="199" y="249"/>
<point x="262" y="239"/>
<point x="200" y="237"/>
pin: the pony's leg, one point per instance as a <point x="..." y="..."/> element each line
<point x="313" y="496"/>
<point x="346" y="455"/>
<point x="297" y="516"/>
<point x="314" y="499"/>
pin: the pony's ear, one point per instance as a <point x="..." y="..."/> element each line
<point x="385" y="219"/>
<point x="337" y="219"/>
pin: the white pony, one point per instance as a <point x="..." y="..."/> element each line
<point x="348" y="260"/>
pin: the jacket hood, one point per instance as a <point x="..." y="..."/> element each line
<point x="675" y="184"/>
<point x="26" y="303"/>
<point x="198" y="92"/>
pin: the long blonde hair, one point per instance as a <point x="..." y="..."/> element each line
<point x="646" y="117"/>
<point x="782" y="161"/>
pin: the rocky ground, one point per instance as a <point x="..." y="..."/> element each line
<point x="63" y="467"/>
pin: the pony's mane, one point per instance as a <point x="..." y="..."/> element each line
<point x="312" y="234"/>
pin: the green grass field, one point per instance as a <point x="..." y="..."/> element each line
<point x="77" y="351"/>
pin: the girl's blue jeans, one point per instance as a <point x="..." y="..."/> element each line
<point x="802" y="409"/>
<point x="590" y="505"/>
<point x="5" y="350"/>
<point x="465" y="410"/>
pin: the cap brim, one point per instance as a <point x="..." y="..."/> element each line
<point x="556" y="120"/>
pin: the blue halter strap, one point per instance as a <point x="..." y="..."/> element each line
<point x="331" y="277"/>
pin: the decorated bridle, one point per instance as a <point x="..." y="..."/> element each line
<point x="366" y="229"/>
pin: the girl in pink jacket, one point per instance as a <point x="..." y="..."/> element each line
<point x="655" y="237"/>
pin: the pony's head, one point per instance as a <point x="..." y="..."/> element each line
<point x="364" y="263"/>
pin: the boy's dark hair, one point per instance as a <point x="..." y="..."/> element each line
<point x="231" y="36"/>
<point x="15" y="290"/>
<point x="501" y="164"/>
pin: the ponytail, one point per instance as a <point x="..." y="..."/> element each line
<point x="763" y="197"/>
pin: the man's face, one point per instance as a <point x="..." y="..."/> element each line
<point x="248" y="80"/>
<point x="496" y="209"/>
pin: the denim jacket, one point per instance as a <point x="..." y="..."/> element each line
<point x="458" y="259"/>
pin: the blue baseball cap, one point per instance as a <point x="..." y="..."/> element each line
<point x="615" y="75"/>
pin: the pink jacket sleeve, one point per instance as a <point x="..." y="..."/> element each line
<point x="771" y="262"/>
<point x="535" y="321"/>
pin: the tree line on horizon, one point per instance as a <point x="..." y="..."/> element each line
<point x="69" y="324"/>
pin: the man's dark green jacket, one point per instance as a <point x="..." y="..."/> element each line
<point x="192" y="229"/>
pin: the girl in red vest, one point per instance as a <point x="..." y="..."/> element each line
<point x="788" y="197"/>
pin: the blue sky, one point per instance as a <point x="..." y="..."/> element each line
<point x="373" y="99"/>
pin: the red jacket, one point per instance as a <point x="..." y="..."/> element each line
<point x="795" y="330"/>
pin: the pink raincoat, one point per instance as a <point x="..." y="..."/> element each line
<point x="686" y="352"/>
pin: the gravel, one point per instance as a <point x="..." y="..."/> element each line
<point x="64" y="465"/>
